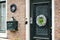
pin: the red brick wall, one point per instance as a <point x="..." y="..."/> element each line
<point x="57" y="19"/>
<point x="19" y="15"/>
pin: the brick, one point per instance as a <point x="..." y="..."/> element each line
<point x="19" y="15"/>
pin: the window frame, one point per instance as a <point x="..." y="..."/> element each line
<point x="3" y="35"/>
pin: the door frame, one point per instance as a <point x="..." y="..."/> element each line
<point x="28" y="16"/>
<point x="28" y="19"/>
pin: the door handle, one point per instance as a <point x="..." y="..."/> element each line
<point x="31" y="20"/>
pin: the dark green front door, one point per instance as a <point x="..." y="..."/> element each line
<point x="40" y="20"/>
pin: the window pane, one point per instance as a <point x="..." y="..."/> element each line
<point x="2" y="17"/>
<point x="2" y="0"/>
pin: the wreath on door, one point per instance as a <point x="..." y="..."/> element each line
<point x="41" y="20"/>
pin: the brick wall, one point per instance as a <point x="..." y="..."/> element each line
<point x="19" y="15"/>
<point x="57" y="19"/>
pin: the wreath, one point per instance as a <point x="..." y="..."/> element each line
<point x="41" y="20"/>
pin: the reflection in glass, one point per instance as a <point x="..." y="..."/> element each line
<point x="2" y="17"/>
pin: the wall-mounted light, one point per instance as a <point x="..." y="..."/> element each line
<point x="13" y="8"/>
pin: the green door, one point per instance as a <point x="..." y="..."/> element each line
<point x="40" y="20"/>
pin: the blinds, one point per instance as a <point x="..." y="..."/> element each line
<point x="2" y="17"/>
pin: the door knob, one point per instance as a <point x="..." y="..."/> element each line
<point x="26" y="22"/>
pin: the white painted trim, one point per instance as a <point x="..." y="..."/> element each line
<point x="53" y="20"/>
<point x="3" y="35"/>
<point x="27" y="16"/>
<point x="3" y="39"/>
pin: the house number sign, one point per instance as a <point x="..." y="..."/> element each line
<point x="41" y="20"/>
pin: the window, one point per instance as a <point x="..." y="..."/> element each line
<point x="2" y="0"/>
<point x="2" y="18"/>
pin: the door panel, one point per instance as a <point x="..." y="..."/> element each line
<point x="42" y="10"/>
<point x="40" y="31"/>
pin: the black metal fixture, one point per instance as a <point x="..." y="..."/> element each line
<point x="13" y="8"/>
<point x="26" y="22"/>
<point x="12" y="25"/>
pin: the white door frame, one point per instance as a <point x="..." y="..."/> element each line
<point x="28" y="19"/>
<point x="27" y="16"/>
<point x="53" y="20"/>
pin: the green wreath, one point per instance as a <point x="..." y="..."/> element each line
<point x="40" y="20"/>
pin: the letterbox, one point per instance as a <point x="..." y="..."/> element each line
<point x="12" y="25"/>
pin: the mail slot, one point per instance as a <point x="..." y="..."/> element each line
<point x="12" y="25"/>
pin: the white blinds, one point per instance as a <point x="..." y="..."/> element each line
<point x="2" y="17"/>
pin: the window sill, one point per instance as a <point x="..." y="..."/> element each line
<point x="3" y="39"/>
<point x="3" y="35"/>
